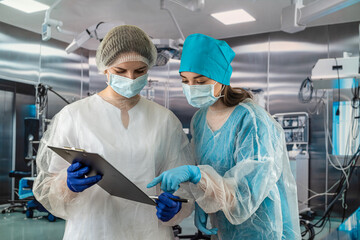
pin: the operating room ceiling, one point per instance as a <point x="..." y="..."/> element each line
<point x="80" y="14"/>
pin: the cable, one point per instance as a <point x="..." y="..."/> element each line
<point x="354" y="134"/>
<point x="320" y="194"/>
<point x="322" y="228"/>
<point x="329" y="159"/>
<point x="317" y="195"/>
<point x="306" y="84"/>
<point x="59" y="96"/>
<point x="337" y="69"/>
<point x="355" y="101"/>
<point x="343" y="187"/>
<point x="319" y="104"/>
<point x="344" y="209"/>
<point x="355" y="126"/>
<point x="340" y="190"/>
<point x="41" y="98"/>
<point x="95" y="31"/>
<point x="308" y="229"/>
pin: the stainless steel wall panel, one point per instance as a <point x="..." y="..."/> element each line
<point x="292" y="57"/>
<point x="7" y="99"/>
<point x="250" y="62"/>
<point x="85" y="72"/>
<point x="63" y="72"/>
<point x="23" y="110"/>
<point x="97" y="81"/>
<point x="250" y="65"/>
<point x="19" y="54"/>
<point x="317" y="152"/>
<point x="24" y="57"/>
<point x="22" y="106"/>
<point x="344" y="38"/>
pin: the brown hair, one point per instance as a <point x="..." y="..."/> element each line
<point x="234" y="96"/>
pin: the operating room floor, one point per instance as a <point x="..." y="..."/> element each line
<point x="15" y="226"/>
<point x="328" y="228"/>
<point x="325" y="234"/>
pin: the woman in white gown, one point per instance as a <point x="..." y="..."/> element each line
<point x="138" y="137"/>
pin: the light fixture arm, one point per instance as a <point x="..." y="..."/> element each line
<point x="163" y="7"/>
<point x="320" y="8"/>
<point x="192" y="5"/>
<point x="67" y="32"/>
<point x="295" y="17"/>
<point x="48" y="23"/>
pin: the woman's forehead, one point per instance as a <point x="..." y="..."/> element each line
<point x="131" y="65"/>
<point x="192" y="75"/>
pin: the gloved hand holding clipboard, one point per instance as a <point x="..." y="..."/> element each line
<point x="113" y="181"/>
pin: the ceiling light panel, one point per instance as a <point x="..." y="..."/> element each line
<point x="27" y="6"/>
<point x="233" y="17"/>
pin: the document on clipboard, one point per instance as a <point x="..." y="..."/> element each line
<point x="113" y="181"/>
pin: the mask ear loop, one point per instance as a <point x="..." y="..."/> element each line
<point x="108" y="74"/>
<point x="222" y="89"/>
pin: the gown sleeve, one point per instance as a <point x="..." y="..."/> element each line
<point x="50" y="187"/>
<point x="258" y="156"/>
<point x="178" y="152"/>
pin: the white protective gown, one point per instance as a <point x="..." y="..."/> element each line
<point x="153" y="142"/>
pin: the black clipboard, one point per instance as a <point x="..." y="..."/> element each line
<point x="113" y="181"/>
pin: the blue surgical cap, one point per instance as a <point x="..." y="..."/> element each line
<point x="207" y="56"/>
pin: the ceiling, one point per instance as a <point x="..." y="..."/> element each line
<point x="80" y="14"/>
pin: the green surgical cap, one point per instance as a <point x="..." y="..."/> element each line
<point x="207" y="56"/>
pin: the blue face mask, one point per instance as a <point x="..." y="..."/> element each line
<point x="200" y="96"/>
<point x="127" y="87"/>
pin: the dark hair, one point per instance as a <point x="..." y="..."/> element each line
<point x="234" y="96"/>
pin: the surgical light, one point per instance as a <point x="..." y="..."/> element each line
<point x="28" y="6"/>
<point x="234" y="16"/>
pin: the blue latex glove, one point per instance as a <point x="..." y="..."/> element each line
<point x="170" y="180"/>
<point x="167" y="208"/>
<point x="201" y="221"/>
<point x="76" y="179"/>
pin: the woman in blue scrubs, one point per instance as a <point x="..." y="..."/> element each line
<point x="242" y="180"/>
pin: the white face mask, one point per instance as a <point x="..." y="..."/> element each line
<point x="127" y="87"/>
<point x="200" y="96"/>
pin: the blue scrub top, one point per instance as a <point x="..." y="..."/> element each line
<point x="235" y="142"/>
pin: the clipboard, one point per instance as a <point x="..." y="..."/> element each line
<point x="113" y="181"/>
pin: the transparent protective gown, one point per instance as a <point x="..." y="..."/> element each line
<point x="153" y="142"/>
<point x="247" y="186"/>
